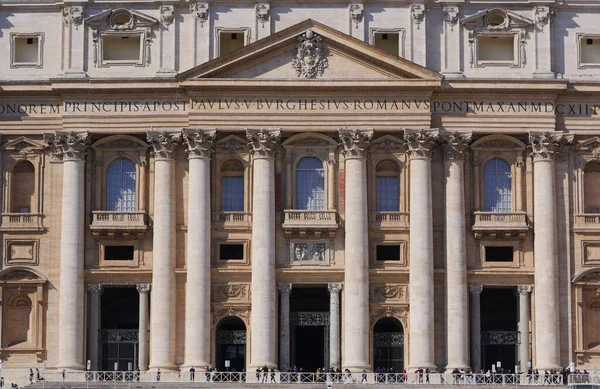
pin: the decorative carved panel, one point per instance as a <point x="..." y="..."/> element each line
<point x="229" y="292"/>
<point x="389" y="292"/>
<point x="309" y="252"/>
<point x="22" y="252"/>
<point x="591" y="253"/>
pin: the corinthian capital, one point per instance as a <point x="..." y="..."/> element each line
<point x="334" y="287"/>
<point x="199" y="143"/>
<point x="456" y="145"/>
<point x="67" y="146"/>
<point x="524" y="289"/>
<point x="545" y="146"/>
<point x="143" y="288"/>
<point x="420" y="142"/>
<point x="355" y="142"/>
<point x="163" y="143"/>
<point x="263" y="143"/>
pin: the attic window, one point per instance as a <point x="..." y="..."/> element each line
<point x="498" y="49"/>
<point x="495" y="19"/>
<point x="229" y="40"/>
<point x="26" y="50"/>
<point x="389" y="41"/>
<point x="121" y="19"/>
<point x="122" y="49"/>
<point x="589" y="51"/>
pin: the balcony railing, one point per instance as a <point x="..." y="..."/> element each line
<point x="309" y="220"/>
<point x="22" y="222"/>
<point x="232" y="220"/>
<point x="587" y="222"/>
<point x="500" y="223"/>
<point x="116" y="222"/>
<point x="389" y="220"/>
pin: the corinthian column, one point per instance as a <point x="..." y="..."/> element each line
<point x="356" y="271"/>
<point x="524" y="317"/>
<point x="95" y="291"/>
<point x="197" y="294"/>
<point x="475" y="308"/>
<point x="70" y="147"/>
<point x="284" y="322"/>
<point x="334" y="324"/>
<point x="455" y="146"/>
<point x="162" y="301"/>
<point x="143" y="290"/>
<point x="547" y="328"/>
<point x="263" y="320"/>
<point x="420" y="144"/>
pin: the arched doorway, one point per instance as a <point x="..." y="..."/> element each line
<point x="231" y="344"/>
<point x="388" y="344"/>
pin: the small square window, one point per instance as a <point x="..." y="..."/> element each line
<point x="231" y="252"/>
<point x="388" y="253"/>
<point x="499" y="253"/>
<point x="234" y="36"/>
<point x="589" y="51"/>
<point x="589" y="41"/>
<point x="118" y="253"/>
<point x="26" y="50"/>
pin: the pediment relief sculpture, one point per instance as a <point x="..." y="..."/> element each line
<point x="496" y="19"/>
<point x="310" y="56"/>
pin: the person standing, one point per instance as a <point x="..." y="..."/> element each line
<point x="192" y="374"/>
<point x="273" y="375"/>
<point x="364" y="376"/>
<point x="30" y="376"/>
<point x="158" y="375"/>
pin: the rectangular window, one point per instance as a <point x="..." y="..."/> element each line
<point x="118" y="253"/>
<point x="387" y="194"/>
<point x="388" y="42"/>
<point x="26" y="50"/>
<point x="496" y="49"/>
<point x="589" y="49"/>
<point x="230" y="41"/>
<point x="232" y="194"/>
<point x="388" y="253"/>
<point x="231" y="252"/>
<point x="122" y="48"/>
<point x="499" y="253"/>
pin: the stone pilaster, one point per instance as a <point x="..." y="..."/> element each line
<point x="475" y="308"/>
<point x="162" y="325"/>
<point x="544" y="148"/>
<point x="284" y="321"/>
<point x="143" y="290"/>
<point x="420" y="145"/>
<point x="356" y="272"/>
<point x="451" y="44"/>
<point x="524" y="318"/>
<point x="263" y="144"/>
<point x="197" y="306"/>
<point x="94" y="324"/>
<point x="70" y="147"/>
<point x="334" y="324"/>
<point x="455" y="148"/>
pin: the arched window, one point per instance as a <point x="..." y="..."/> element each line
<point x="121" y="186"/>
<point x="387" y="186"/>
<point x="591" y="189"/>
<point x="497" y="186"/>
<point x="22" y="188"/>
<point x="232" y="186"/>
<point x="310" y="184"/>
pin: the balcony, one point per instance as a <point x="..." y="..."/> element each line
<point x="587" y="222"/>
<point x="115" y="224"/>
<point x="232" y="220"/>
<point x="22" y="222"/>
<point x="500" y="224"/>
<point x="303" y="223"/>
<point x="389" y="220"/>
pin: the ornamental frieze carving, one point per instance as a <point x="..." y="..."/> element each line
<point x="226" y="292"/>
<point x="356" y="13"/>
<point x="420" y="142"/>
<point x="200" y="12"/>
<point x="417" y="13"/>
<point x="73" y="15"/>
<point x="546" y="146"/>
<point x="263" y="143"/>
<point x="355" y="142"/>
<point x="544" y="15"/>
<point x="451" y="15"/>
<point x="263" y="13"/>
<point x="309" y="253"/>
<point x="167" y="14"/>
<point x="199" y="143"/>
<point x="456" y="145"/>
<point x="399" y="313"/>
<point x="67" y="146"/>
<point x="163" y="143"/>
<point x="388" y="292"/>
<point x="219" y="312"/>
<point x="309" y="58"/>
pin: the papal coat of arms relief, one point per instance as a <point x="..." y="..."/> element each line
<point x="310" y="56"/>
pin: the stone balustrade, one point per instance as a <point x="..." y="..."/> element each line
<point x="389" y="220"/>
<point x="587" y="222"/>
<point x="514" y="223"/>
<point x="232" y="220"/>
<point x="306" y="221"/>
<point x="113" y="222"/>
<point x="22" y="222"/>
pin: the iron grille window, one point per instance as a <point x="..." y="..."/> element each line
<point x="387" y="194"/>
<point x="497" y="186"/>
<point x="310" y="184"/>
<point x="121" y="186"/>
<point x="232" y="194"/>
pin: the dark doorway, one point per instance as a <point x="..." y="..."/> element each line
<point x="119" y="328"/>
<point x="310" y="348"/>
<point x="499" y="328"/>
<point x="388" y="345"/>
<point x="231" y="344"/>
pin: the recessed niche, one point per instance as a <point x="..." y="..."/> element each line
<point x="26" y="50"/>
<point x="388" y="42"/>
<point x="496" y="48"/>
<point x="121" y="48"/>
<point x="590" y="50"/>
<point x="230" y="41"/>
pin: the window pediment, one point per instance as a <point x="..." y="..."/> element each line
<point x="23" y="145"/>
<point x="120" y="19"/>
<point x="231" y="144"/>
<point x="19" y="274"/>
<point x="496" y="19"/>
<point x="499" y="143"/>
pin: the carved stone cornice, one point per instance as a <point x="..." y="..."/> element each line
<point x="199" y="143"/>
<point x="456" y="145"/>
<point x="163" y="143"/>
<point x="476" y="289"/>
<point x="334" y="287"/>
<point x="284" y="287"/>
<point x="95" y="288"/>
<point x="143" y="288"/>
<point x="420" y="143"/>
<point x="546" y="146"/>
<point x="263" y="143"/>
<point x="524" y="289"/>
<point x="355" y="142"/>
<point x="68" y="146"/>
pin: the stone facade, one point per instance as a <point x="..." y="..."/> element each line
<point x="470" y="84"/>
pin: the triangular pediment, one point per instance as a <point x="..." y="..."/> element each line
<point x="311" y="50"/>
<point x="496" y="19"/>
<point x="590" y="144"/>
<point x="23" y="144"/>
<point x="120" y="19"/>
